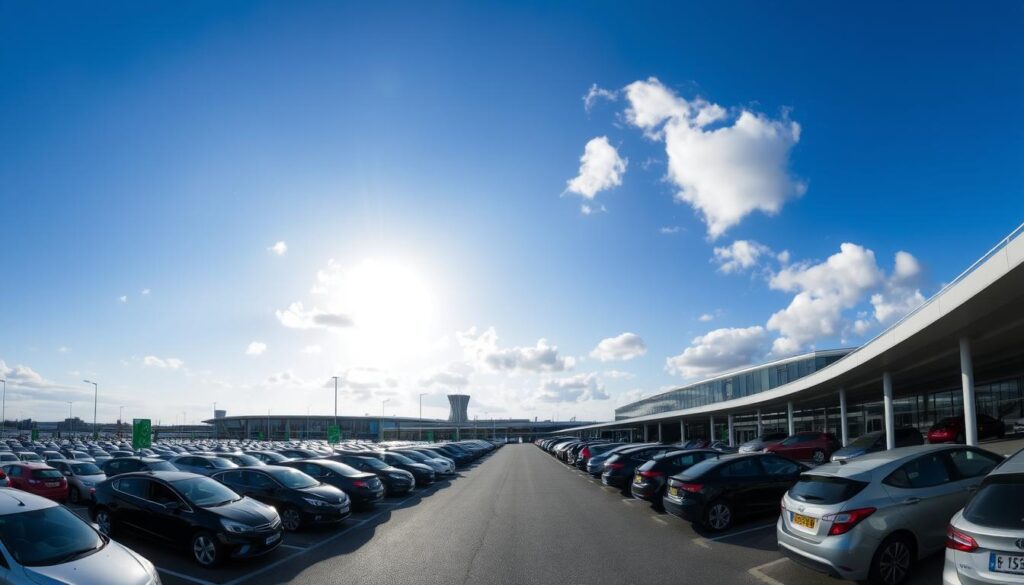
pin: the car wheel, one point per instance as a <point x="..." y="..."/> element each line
<point x="291" y="519"/>
<point x="105" y="520"/>
<point x="818" y="456"/>
<point x="74" y="496"/>
<point x="205" y="550"/>
<point x="718" y="516"/>
<point x="892" y="561"/>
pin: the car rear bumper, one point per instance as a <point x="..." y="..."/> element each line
<point x="846" y="556"/>
<point x="683" y="508"/>
<point x="614" y="480"/>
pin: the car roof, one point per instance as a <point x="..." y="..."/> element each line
<point x="870" y="462"/>
<point x="33" y="464"/>
<point x="676" y="452"/>
<point x="164" y="475"/>
<point x="14" y="501"/>
<point x="1014" y="464"/>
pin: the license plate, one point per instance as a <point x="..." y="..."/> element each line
<point x="1012" y="564"/>
<point x="805" y="521"/>
<point x="273" y="538"/>
<point x="674" y="492"/>
<point x="636" y="478"/>
<point x="52" y="483"/>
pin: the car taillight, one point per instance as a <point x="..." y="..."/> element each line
<point x="957" y="540"/>
<point x="359" y="483"/>
<point x="651" y="474"/>
<point x="693" y="488"/>
<point x="614" y="465"/>
<point x="585" y="453"/>
<point x="843" y="522"/>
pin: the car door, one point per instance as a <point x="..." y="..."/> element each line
<point x="235" y="480"/>
<point x="262" y="487"/>
<point x="927" y="496"/>
<point x="970" y="466"/>
<point x="128" y="504"/>
<point x="168" y="516"/>
<point x="780" y="474"/>
<point x="743" y="485"/>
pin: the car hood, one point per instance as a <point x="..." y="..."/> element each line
<point x="419" y="467"/>
<point x="114" y="565"/>
<point x="327" y="492"/>
<point x="247" y="511"/>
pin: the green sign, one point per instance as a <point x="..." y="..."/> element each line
<point x="35" y="434"/>
<point x="333" y="435"/>
<point x="430" y="436"/>
<point x="142" y="433"/>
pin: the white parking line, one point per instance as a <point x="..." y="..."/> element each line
<point x="732" y="534"/>
<point x="292" y="546"/>
<point x="757" y="574"/>
<point x="185" y="577"/>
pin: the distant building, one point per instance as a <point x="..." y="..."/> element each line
<point x="459" y="413"/>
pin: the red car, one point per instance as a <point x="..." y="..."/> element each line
<point x="39" y="479"/>
<point x="807" y="446"/>
<point x="952" y="429"/>
<point x="4" y="482"/>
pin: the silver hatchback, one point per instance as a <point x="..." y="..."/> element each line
<point x="871" y="518"/>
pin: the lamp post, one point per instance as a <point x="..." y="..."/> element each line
<point x="120" y="420"/>
<point x="382" y="403"/>
<point x="95" y="400"/>
<point x="3" y="409"/>
<point x="335" y="378"/>
<point x="71" y="419"/>
<point x="422" y="394"/>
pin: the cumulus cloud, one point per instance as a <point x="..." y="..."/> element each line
<point x="667" y="230"/>
<point x="704" y="318"/>
<point x="279" y="248"/>
<point x="725" y="165"/>
<point x="164" y="363"/>
<point x="740" y="255"/>
<point x="595" y="94"/>
<point x="622" y="347"/>
<point x="445" y="378"/>
<point x="482" y="349"/>
<point x="601" y="168"/>
<point x="901" y="294"/>
<point x="719" y="351"/>
<point x="577" y="388"/>
<point x="123" y="299"/>
<point x="256" y="348"/>
<point x="297" y="316"/>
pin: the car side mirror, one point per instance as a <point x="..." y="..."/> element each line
<point x="172" y="506"/>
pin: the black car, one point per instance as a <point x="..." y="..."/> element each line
<point x="242" y="460"/>
<point x="424" y="474"/>
<point x="298" y="498"/>
<point x="435" y="451"/>
<point x="300" y="453"/>
<point x="396" y="481"/>
<point x="119" y="465"/>
<point x="715" y="492"/>
<point x="363" y="488"/>
<point x="452" y="452"/>
<point x="651" y="478"/>
<point x="268" y="457"/>
<point x="187" y="509"/>
<point x="619" y="468"/>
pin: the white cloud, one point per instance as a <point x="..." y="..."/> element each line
<point x="256" y="348"/>
<point x="669" y="230"/>
<point x="588" y="209"/>
<point x="725" y="166"/>
<point x="279" y="248"/>
<point x="145" y="292"/>
<point x="622" y="347"/>
<point x="123" y="298"/>
<point x="706" y="317"/>
<point x="596" y="93"/>
<point x="740" y="255"/>
<point x="601" y="168"/>
<point x="164" y="363"/>
<point x="445" y="378"/>
<point x="312" y="349"/>
<point x="285" y="378"/>
<point x="901" y="294"/>
<point x="482" y="349"/>
<point x="63" y="349"/>
<point x="577" y="388"/>
<point x="617" y="375"/>
<point x="364" y="382"/>
<point x="719" y="351"/>
<point x="297" y="316"/>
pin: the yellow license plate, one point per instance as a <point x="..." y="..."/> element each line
<point x="805" y="521"/>
<point x="674" y="492"/>
<point x="636" y="478"/>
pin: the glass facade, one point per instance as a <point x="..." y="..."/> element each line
<point x="729" y="386"/>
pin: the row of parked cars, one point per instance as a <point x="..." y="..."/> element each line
<point x="867" y="515"/>
<point x="219" y="499"/>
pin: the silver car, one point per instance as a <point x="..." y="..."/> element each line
<point x="871" y="518"/>
<point x="985" y="540"/>
<point x="82" y="478"/>
<point x="44" y="542"/>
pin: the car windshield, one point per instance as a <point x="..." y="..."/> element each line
<point x="221" y="463"/>
<point x="160" y="466"/>
<point x="246" y="460"/>
<point x="703" y="467"/>
<point x="204" y="492"/>
<point x="414" y="456"/>
<point x="866" y="441"/>
<point x="400" y="458"/>
<point x="998" y="504"/>
<point x="85" y="469"/>
<point x="293" y="478"/>
<point x="50" y="536"/>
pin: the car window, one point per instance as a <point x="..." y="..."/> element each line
<point x="824" y="489"/>
<point x="969" y="463"/>
<point x="133" y="486"/>
<point x="999" y="503"/>
<point x="746" y="467"/>
<point x="258" y="480"/>
<point x="13" y="470"/>
<point x="232" y="477"/>
<point x="58" y="465"/>
<point x="927" y="471"/>
<point x="161" y="494"/>
<point x="777" y="466"/>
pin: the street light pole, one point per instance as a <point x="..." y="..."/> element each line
<point x="71" y="419"/>
<point x="335" y="378"/>
<point x="421" y="415"/>
<point x="95" y="401"/>
<point x="3" y="409"/>
<point x="382" y="403"/>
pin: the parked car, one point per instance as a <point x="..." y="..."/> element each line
<point x="591" y="450"/>
<point x="423" y="473"/>
<point x="44" y="542"/>
<point x="119" y="465"/>
<point x="651" y="478"/>
<point x="873" y="517"/>
<point x="396" y="481"/>
<point x="8" y="457"/>
<point x="985" y="540"/>
<point x="813" y="446"/>
<point x="201" y="464"/>
<point x="178" y="507"/>
<point x="298" y="498"/>
<point x="595" y="465"/>
<point x="871" y="442"/>
<point x="29" y="456"/>
<point x="82" y="478"/>
<point x="242" y="460"/>
<point x="953" y="429"/>
<point x="763" y="442"/>
<point x="268" y="457"/>
<point x="364" y="489"/>
<point x="715" y="492"/>
<point x="437" y="465"/>
<point x="4" y="481"/>
<point x="300" y="453"/>
<point x="37" y="478"/>
<point x="619" y="468"/>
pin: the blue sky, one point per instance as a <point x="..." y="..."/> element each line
<point x="416" y="162"/>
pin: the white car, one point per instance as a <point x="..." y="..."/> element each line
<point x="44" y="542"/>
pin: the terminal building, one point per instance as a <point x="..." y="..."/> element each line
<point x="961" y="353"/>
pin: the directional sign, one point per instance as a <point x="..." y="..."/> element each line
<point x="333" y="435"/>
<point x="142" y="433"/>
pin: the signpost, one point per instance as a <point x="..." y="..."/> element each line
<point x="142" y="433"/>
<point x="333" y="435"/>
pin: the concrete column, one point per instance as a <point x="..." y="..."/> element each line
<point x="711" y="429"/>
<point x="842" y="416"/>
<point x="682" y="431"/>
<point x="967" y="380"/>
<point x="759" y="429"/>
<point x="732" y="435"/>
<point x="789" y="417"/>
<point x="890" y="418"/>
<point x="645" y="433"/>
<point x="659" y="433"/>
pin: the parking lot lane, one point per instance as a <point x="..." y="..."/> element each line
<point x="786" y="572"/>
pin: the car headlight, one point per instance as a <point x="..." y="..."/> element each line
<point x="235" y="527"/>
<point x="315" y="502"/>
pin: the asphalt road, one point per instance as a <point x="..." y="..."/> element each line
<point x="519" y="517"/>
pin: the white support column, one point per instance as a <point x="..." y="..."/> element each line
<point x="842" y="416"/>
<point x="682" y="431"/>
<point x="789" y="417"/>
<point x="759" y="429"/>
<point x="711" y="429"/>
<point x="890" y="419"/>
<point x="732" y="435"/>
<point x="967" y="380"/>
